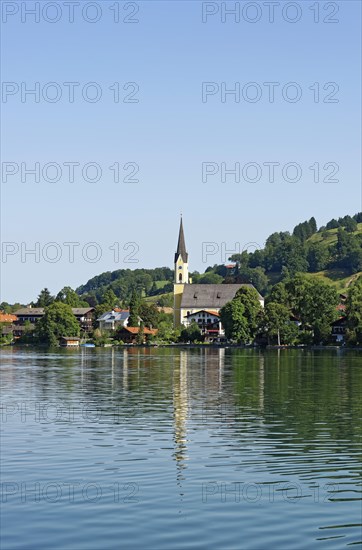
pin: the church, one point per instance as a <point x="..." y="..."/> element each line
<point x="199" y="303"/>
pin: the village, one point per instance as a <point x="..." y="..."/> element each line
<point x="196" y="317"/>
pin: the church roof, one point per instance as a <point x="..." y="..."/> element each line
<point x="210" y="296"/>
<point x="181" y="247"/>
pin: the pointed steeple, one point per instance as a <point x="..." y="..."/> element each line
<point x="181" y="247"/>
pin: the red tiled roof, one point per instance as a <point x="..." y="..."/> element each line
<point x="135" y="330"/>
<point x="7" y="318"/>
<point x="212" y="312"/>
<point x="209" y="311"/>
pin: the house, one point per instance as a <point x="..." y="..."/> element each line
<point x="112" y="320"/>
<point x="7" y="318"/>
<point x="7" y="321"/>
<point x="69" y="342"/>
<point x="192" y="298"/>
<point x="208" y="322"/>
<point x="209" y="297"/>
<point x="84" y="316"/>
<point x="30" y="314"/>
<point x="129" y="334"/>
<point x="339" y="329"/>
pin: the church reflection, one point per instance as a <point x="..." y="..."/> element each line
<point x="180" y="414"/>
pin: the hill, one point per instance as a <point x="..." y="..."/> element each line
<point x="332" y="253"/>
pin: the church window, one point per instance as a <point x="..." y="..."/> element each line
<point x="180" y="277"/>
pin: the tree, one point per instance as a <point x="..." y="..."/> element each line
<point x="314" y="303"/>
<point x="249" y="297"/>
<point x="44" y="298"/>
<point x="210" y="278"/>
<point x="7" y="308"/>
<point x="332" y="224"/>
<point x="154" y="289"/>
<point x="191" y="333"/>
<point x="57" y="321"/>
<point x="313" y="225"/>
<point x="110" y="299"/>
<point x="255" y="275"/>
<point x="241" y="317"/>
<point x="279" y="324"/>
<point x="149" y="314"/>
<point x="68" y="296"/>
<point x="354" y="313"/>
<point x="165" y="327"/>
<point x="317" y="257"/>
<point x="141" y="334"/>
<point x="166" y="300"/>
<point x="279" y="294"/>
<point x="234" y="321"/>
<point x="134" y="310"/>
<point x="349" y="224"/>
<point x="354" y="258"/>
<point x="343" y="243"/>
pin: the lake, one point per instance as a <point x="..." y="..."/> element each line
<point x="169" y="448"/>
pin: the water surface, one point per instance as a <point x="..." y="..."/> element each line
<point x="172" y="449"/>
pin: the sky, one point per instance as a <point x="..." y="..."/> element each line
<point x="133" y="121"/>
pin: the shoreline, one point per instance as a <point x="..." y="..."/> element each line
<point x="194" y="346"/>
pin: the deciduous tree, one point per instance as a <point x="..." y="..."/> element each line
<point x="57" y="321"/>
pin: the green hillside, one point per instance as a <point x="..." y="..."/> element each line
<point x="332" y="253"/>
<point x="339" y="278"/>
<point x="330" y="236"/>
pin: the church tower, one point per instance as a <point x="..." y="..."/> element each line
<point x="181" y="275"/>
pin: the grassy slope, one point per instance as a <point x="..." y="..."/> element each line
<point x="331" y="236"/>
<point x="154" y="299"/>
<point x="339" y="278"/>
<point x="336" y="277"/>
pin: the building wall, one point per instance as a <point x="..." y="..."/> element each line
<point x="185" y="312"/>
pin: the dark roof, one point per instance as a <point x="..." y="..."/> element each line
<point x="34" y="311"/>
<point x="181" y="247"/>
<point x="340" y="322"/>
<point x="210" y="296"/>
<point x="81" y="310"/>
<point x="31" y="311"/>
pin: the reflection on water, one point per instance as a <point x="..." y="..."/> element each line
<point x="169" y="448"/>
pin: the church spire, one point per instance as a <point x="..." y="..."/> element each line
<point x="181" y="247"/>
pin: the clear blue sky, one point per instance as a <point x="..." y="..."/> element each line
<point x="170" y="132"/>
